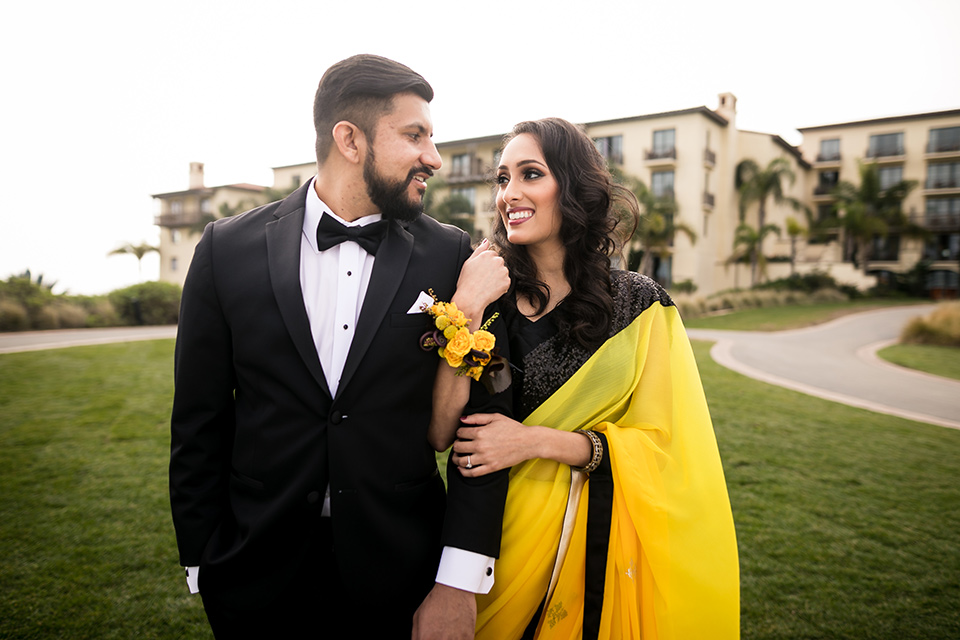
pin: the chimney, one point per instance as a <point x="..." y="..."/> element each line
<point x="728" y="107"/>
<point x="196" y="175"/>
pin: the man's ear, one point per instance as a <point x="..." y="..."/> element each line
<point x="350" y="141"/>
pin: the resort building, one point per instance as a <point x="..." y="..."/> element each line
<point x="691" y="156"/>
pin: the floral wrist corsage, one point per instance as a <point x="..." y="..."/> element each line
<point x="471" y="354"/>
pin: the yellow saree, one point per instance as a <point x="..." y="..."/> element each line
<point x="672" y="568"/>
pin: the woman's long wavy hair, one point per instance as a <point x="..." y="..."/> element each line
<point x="593" y="209"/>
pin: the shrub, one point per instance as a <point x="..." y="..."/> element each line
<point x="684" y="286"/>
<point x="147" y="303"/>
<point x="941" y="327"/>
<point x="13" y="316"/>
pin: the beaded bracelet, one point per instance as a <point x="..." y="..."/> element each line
<point x="597" y="451"/>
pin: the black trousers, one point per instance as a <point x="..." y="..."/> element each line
<point x="315" y="605"/>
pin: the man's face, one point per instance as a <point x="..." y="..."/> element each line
<point x="400" y="158"/>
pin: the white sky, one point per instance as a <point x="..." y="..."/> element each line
<point x="106" y="102"/>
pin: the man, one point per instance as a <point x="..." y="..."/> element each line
<point x="302" y="485"/>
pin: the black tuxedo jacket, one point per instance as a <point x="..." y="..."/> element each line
<point x="256" y="435"/>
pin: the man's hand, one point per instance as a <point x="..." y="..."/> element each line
<point x="446" y="613"/>
<point x="483" y="279"/>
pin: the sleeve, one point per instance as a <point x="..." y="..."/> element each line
<point x="474" y="516"/>
<point x="202" y="422"/>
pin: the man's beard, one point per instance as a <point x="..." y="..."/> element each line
<point x="391" y="196"/>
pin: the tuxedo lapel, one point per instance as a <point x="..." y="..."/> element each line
<point x="389" y="269"/>
<point x="283" y="259"/>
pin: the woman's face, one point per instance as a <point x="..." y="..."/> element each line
<point x="527" y="194"/>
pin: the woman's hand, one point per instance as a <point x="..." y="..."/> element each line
<point x="489" y="442"/>
<point x="483" y="279"/>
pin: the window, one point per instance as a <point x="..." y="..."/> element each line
<point x="943" y="246"/>
<point x="887" y="144"/>
<point x="943" y="207"/>
<point x="467" y="193"/>
<point x="661" y="183"/>
<point x="944" y="175"/>
<point x="664" y="144"/>
<point x="610" y="148"/>
<point x="176" y="207"/>
<point x="460" y="165"/>
<point x="206" y="206"/>
<point x="829" y="150"/>
<point x="173" y="264"/>
<point x="826" y="181"/>
<point x="175" y="236"/>
<point x="886" y="248"/>
<point x="946" y="139"/>
<point x="890" y="176"/>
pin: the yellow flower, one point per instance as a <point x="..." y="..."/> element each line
<point x="459" y="344"/>
<point x="484" y="340"/>
<point x="442" y="322"/>
<point x="450" y="332"/>
<point x="452" y="358"/>
<point x="475" y="372"/>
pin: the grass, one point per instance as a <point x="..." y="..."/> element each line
<point x="847" y="520"/>
<point x="789" y="317"/>
<point x="940" y="361"/>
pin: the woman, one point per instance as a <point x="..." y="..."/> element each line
<point x="605" y="382"/>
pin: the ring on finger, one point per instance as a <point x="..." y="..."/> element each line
<point x="469" y="464"/>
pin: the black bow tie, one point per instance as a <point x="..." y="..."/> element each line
<point x="330" y="233"/>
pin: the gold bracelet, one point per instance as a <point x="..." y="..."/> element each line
<point x="597" y="451"/>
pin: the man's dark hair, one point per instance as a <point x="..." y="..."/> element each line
<point x="360" y="90"/>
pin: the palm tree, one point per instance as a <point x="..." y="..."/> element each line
<point x="747" y="242"/>
<point x="756" y="185"/>
<point x="658" y="225"/>
<point x="794" y="230"/>
<point x="138" y="251"/>
<point x="868" y="211"/>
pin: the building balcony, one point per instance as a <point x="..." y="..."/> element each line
<point x="664" y="194"/>
<point x="824" y="191"/>
<point x="661" y="156"/>
<point x="942" y="151"/>
<point x="709" y="158"/>
<point x="473" y="171"/>
<point x="942" y="187"/>
<point x="827" y="160"/>
<point x="708" y="201"/>
<point x="885" y="156"/>
<point x="942" y="221"/>
<point x="183" y="219"/>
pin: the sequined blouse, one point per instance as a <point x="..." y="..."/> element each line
<point x="543" y="359"/>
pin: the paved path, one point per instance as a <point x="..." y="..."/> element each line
<point x="39" y="340"/>
<point x="837" y="361"/>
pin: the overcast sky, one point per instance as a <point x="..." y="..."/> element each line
<point x="107" y="102"/>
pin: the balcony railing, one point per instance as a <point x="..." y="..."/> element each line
<point x="884" y="152"/>
<point x="943" y="147"/>
<point x="949" y="183"/>
<point x="708" y="199"/>
<point x="709" y="157"/>
<point x="183" y="219"/>
<point x="828" y="157"/>
<point x="661" y="154"/>
<point x="663" y="194"/>
<point x="824" y="189"/>
<point x="472" y="171"/>
<point x="942" y="221"/>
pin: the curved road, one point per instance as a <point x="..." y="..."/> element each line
<point x="835" y="360"/>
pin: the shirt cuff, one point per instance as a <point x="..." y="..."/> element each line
<point x="465" y="570"/>
<point x="193" y="579"/>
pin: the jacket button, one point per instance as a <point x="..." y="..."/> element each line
<point x="336" y="417"/>
<point x="489" y="571"/>
<point x="313" y="497"/>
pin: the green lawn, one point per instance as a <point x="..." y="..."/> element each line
<point x="940" y="361"/>
<point x="847" y="520"/>
<point x="790" y="317"/>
